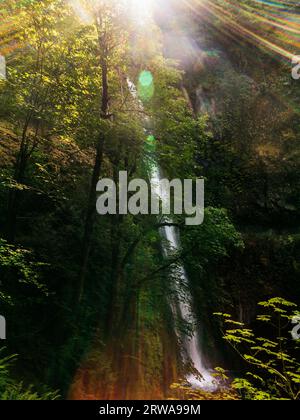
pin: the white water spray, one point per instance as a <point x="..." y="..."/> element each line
<point x="191" y="351"/>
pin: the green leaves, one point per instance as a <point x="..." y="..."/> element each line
<point x="277" y="303"/>
<point x="12" y="390"/>
<point x="18" y="261"/>
<point x="276" y="370"/>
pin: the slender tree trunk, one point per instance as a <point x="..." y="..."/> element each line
<point x="14" y="194"/>
<point x="114" y="309"/>
<point x="91" y="205"/>
<point x="24" y="152"/>
<point x="90" y="215"/>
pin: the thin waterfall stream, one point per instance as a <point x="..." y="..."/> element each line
<point x="191" y="350"/>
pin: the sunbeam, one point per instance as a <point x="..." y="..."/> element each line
<point x="273" y="26"/>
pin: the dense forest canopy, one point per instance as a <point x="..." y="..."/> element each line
<point x="124" y="306"/>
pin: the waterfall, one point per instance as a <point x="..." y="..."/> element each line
<point x="190" y="351"/>
<point x="171" y="245"/>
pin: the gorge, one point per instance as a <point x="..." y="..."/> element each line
<point x="134" y="304"/>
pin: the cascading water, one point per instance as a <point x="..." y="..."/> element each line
<point x="183" y="310"/>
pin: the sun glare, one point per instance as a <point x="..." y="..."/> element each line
<point x="140" y="9"/>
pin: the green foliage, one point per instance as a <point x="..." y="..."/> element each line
<point x="12" y="390"/>
<point x="17" y="263"/>
<point x="51" y="120"/>
<point x="223" y="392"/>
<point x="273" y="358"/>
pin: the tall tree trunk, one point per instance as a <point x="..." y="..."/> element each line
<point x="91" y="204"/>
<point x="113" y="310"/>
<point x="19" y="175"/>
<point x="90" y="215"/>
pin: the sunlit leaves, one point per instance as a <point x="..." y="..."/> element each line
<point x="18" y="261"/>
<point x="272" y="358"/>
